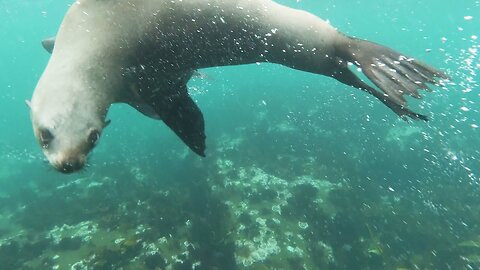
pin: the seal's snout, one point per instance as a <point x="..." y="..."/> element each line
<point x="70" y="165"/>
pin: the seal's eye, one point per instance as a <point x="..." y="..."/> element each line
<point x="46" y="137"/>
<point x="93" y="137"/>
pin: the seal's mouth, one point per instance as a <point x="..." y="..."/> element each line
<point x="69" y="166"/>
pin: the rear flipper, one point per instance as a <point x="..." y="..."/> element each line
<point x="395" y="74"/>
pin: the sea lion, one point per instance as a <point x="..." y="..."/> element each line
<point x="143" y="52"/>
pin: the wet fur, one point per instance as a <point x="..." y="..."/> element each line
<point x="143" y="52"/>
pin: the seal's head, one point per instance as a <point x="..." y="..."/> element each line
<point x="66" y="133"/>
<point x="67" y="124"/>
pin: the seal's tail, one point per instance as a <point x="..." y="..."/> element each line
<point x="395" y="74"/>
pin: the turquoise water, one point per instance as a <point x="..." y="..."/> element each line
<point x="301" y="171"/>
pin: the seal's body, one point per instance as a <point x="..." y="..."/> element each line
<point x="143" y="52"/>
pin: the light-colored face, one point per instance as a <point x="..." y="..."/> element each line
<point x="66" y="136"/>
<point x="82" y="79"/>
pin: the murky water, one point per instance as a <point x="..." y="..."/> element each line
<point x="301" y="171"/>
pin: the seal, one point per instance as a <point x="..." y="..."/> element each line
<point x="143" y="52"/>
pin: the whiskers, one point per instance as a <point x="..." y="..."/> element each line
<point x="85" y="169"/>
<point x="49" y="167"/>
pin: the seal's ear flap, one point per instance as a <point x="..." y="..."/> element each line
<point x="48" y="44"/>
<point x="29" y="104"/>
<point x="107" y="122"/>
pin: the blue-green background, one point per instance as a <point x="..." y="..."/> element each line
<point x="235" y="93"/>
<point x="343" y="128"/>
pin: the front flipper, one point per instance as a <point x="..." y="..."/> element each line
<point x="182" y="115"/>
<point x="395" y="74"/>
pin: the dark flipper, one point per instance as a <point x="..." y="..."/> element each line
<point x="48" y="44"/>
<point x="183" y="116"/>
<point x="396" y="75"/>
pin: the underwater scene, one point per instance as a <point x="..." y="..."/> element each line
<point x="301" y="171"/>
